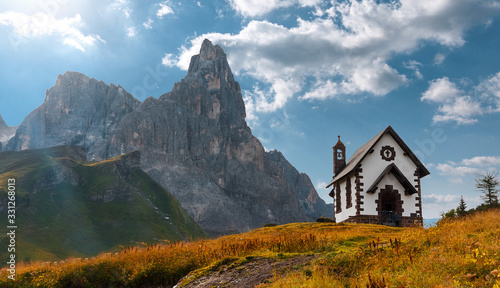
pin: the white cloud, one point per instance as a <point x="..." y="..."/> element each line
<point x="483" y="161"/>
<point x="164" y="10"/>
<point x="457" y="171"/>
<point x="438" y="198"/>
<point x="441" y="90"/>
<point x="414" y="65"/>
<point x="454" y="104"/>
<point x="131" y="31"/>
<point x="169" y="60"/>
<point x="439" y="58"/>
<point x="461" y="110"/>
<point x="148" y="23"/>
<point x="42" y="24"/>
<point x="323" y="90"/>
<point x="251" y="118"/>
<point x="489" y="91"/>
<point x="122" y="5"/>
<point x="344" y="50"/>
<point x="220" y="13"/>
<point x="253" y="8"/>
<point x="467" y="168"/>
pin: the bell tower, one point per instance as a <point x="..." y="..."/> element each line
<point x="338" y="156"/>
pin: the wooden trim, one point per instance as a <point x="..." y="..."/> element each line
<point x="358" y="188"/>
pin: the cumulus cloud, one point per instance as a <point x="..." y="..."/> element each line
<point x="460" y="106"/>
<point x="164" y="10"/>
<point x="483" y="161"/>
<point x="454" y="104"/>
<point x="457" y="171"/>
<point x="473" y="167"/>
<point x="342" y="51"/>
<point x="169" y="60"/>
<point x="43" y="24"/>
<point x="441" y="90"/>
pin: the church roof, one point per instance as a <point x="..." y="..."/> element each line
<point x="361" y="153"/>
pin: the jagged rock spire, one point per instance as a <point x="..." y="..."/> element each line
<point x="210" y="88"/>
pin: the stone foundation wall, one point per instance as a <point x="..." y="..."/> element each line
<point x="372" y="219"/>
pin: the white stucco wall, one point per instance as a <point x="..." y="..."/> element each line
<point x="373" y="165"/>
<point x="346" y="212"/>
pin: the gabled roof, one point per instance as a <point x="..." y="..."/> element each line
<point x="361" y="153"/>
<point x="394" y="170"/>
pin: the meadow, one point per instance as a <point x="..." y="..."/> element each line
<point x="461" y="252"/>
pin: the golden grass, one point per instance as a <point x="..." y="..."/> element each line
<point x="460" y="253"/>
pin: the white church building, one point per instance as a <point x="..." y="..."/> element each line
<point x="380" y="184"/>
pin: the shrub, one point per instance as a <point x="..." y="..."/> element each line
<point x="325" y="219"/>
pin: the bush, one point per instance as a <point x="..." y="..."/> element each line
<point x="325" y="219"/>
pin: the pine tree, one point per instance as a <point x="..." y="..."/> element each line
<point x="462" y="207"/>
<point x="487" y="185"/>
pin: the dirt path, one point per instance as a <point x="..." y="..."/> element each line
<point x="250" y="274"/>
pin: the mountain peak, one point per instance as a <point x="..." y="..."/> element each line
<point x="208" y="51"/>
<point x="210" y="88"/>
<point x="71" y="77"/>
<point x="2" y="123"/>
<point x="210" y="57"/>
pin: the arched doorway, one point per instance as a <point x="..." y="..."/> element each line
<point x="389" y="203"/>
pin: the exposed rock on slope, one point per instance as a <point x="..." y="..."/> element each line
<point x="194" y="140"/>
<point x="6" y="133"/>
<point x="78" y="110"/>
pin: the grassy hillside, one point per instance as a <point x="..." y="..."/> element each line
<point x="69" y="207"/>
<point x="459" y="253"/>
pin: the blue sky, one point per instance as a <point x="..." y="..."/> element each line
<point x="309" y="70"/>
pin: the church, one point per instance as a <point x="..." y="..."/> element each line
<point x="380" y="184"/>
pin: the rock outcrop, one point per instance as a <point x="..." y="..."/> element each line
<point x="6" y="133"/>
<point x="193" y="140"/>
<point x="79" y="111"/>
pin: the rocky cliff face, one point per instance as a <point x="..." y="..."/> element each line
<point x="6" y="133"/>
<point x="78" y="110"/>
<point x="194" y="140"/>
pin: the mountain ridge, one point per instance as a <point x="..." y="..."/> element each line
<point x="68" y="206"/>
<point x="194" y="140"/>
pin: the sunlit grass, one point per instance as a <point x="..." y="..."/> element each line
<point x="460" y="253"/>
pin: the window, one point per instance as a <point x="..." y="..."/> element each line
<point x="348" y="193"/>
<point x="339" y="154"/>
<point x="338" y="208"/>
